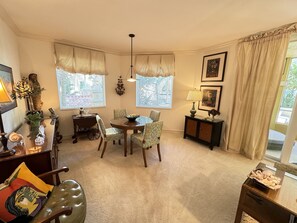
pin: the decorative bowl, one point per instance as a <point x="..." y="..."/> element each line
<point x="132" y="117"/>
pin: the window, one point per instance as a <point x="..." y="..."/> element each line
<point x="154" y="92"/>
<point x="289" y="93"/>
<point x="80" y="90"/>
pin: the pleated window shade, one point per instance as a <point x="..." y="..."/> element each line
<point x="154" y="65"/>
<point x="79" y="60"/>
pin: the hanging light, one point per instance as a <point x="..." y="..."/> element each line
<point x="131" y="79"/>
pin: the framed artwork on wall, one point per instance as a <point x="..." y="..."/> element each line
<point x="213" y="67"/>
<point x="211" y="97"/>
<point x="7" y="78"/>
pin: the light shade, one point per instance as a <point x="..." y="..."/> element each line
<point x="194" y="95"/>
<point x="4" y="96"/>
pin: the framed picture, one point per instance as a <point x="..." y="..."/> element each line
<point x="7" y="78"/>
<point x="213" y="67"/>
<point x="211" y="97"/>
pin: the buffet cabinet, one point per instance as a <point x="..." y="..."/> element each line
<point x="203" y="130"/>
<point x="38" y="158"/>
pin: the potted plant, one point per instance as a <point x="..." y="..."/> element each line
<point x="34" y="118"/>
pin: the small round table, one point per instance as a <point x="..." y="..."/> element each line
<point x="125" y="125"/>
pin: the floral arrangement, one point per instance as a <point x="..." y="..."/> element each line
<point x="22" y="89"/>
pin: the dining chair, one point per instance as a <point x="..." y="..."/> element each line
<point x="287" y="167"/>
<point x="119" y="113"/>
<point x="107" y="134"/>
<point x="148" y="138"/>
<point x="155" y="115"/>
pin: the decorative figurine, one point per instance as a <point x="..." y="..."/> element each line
<point x="120" y="87"/>
<point x="36" y="92"/>
<point x="213" y="113"/>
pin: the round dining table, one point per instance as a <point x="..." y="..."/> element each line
<point x="125" y="125"/>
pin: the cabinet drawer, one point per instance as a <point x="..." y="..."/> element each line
<point x="205" y="131"/>
<point x="191" y="128"/>
<point x="266" y="211"/>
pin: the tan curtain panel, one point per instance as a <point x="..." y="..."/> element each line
<point x="79" y="60"/>
<point x="259" y="68"/>
<point x="154" y="65"/>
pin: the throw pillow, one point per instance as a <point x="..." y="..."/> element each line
<point x="22" y="195"/>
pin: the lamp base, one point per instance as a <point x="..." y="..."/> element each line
<point x="193" y="112"/>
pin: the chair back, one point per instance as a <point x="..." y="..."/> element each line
<point x="119" y="113"/>
<point x="287" y="167"/>
<point x="101" y="126"/>
<point x="155" y="115"/>
<point x="152" y="133"/>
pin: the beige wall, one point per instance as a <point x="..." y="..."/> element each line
<point x="9" y="56"/>
<point x="37" y="56"/>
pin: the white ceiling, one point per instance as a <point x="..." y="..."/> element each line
<point x="159" y="25"/>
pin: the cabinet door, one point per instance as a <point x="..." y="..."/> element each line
<point x="191" y="127"/>
<point x="205" y="131"/>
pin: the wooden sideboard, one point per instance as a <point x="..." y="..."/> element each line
<point x="267" y="205"/>
<point x="203" y="130"/>
<point x="39" y="159"/>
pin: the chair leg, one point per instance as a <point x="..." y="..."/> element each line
<point x="144" y="158"/>
<point x="159" y="153"/>
<point x="131" y="146"/>
<point x="101" y="140"/>
<point x="105" y="143"/>
<point x="120" y="142"/>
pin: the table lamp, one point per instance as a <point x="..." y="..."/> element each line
<point x="194" y="95"/>
<point x="4" y="98"/>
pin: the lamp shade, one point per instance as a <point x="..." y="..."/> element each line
<point x="194" y="95"/>
<point x="4" y="96"/>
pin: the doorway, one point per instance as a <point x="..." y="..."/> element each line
<point x="282" y="140"/>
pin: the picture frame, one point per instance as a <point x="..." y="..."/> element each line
<point x="213" y="67"/>
<point x="7" y="78"/>
<point x="211" y="97"/>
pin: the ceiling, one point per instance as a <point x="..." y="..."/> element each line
<point x="159" y="25"/>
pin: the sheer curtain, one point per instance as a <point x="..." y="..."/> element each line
<point x="79" y="60"/>
<point x="259" y="69"/>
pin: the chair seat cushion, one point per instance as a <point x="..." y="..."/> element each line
<point x="114" y="134"/>
<point x="68" y="193"/>
<point x="137" y="138"/>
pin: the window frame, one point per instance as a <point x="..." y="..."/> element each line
<point x="158" y="107"/>
<point x="75" y="108"/>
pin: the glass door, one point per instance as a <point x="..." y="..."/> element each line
<point x="282" y="140"/>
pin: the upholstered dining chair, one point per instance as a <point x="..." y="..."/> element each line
<point x="155" y="115"/>
<point x="107" y="134"/>
<point x="119" y="113"/>
<point x="148" y="138"/>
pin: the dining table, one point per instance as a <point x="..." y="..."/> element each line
<point x="125" y="125"/>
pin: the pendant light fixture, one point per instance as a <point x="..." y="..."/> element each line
<point x="131" y="79"/>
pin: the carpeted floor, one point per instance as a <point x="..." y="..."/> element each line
<point x="192" y="184"/>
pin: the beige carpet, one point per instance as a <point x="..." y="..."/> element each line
<point x="192" y="184"/>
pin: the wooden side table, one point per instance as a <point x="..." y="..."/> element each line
<point x="83" y="124"/>
<point x="267" y="205"/>
<point x="203" y="130"/>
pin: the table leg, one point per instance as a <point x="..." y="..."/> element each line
<point x="125" y="142"/>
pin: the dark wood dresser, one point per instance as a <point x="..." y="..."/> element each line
<point x="39" y="159"/>
<point x="203" y="130"/>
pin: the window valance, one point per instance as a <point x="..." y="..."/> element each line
<point x="79" y="60"/>
<point x="154" y="65"/>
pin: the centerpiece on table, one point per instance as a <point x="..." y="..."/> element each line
<point x="132" y="117"/>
